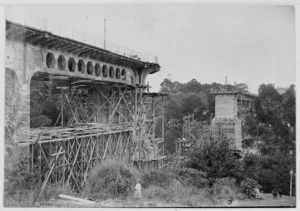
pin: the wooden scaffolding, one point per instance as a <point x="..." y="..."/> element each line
<point x="98" y="122"/>
<point x="194" y="133"/>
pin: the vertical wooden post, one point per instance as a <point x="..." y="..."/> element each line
<point x="163" y="125"/>
<point x="97" y="150"/>
<point x="55" y="165"/>
<point x="62" y="108"/>
<point x="63" y="165"/>
<point x="40" y="161"/>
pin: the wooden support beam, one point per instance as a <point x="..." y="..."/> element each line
<point x="76" y="199"/>
<point x="73" y="164"/>
<point x="116" y="107"/>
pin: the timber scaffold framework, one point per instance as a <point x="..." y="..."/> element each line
<point x="98" y="122"/>
<point x="194" y="133"/>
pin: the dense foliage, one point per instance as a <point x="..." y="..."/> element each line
<point x="247" y="186"/>
<point x="191" y="177"/>
<point x="216" y="159"/>
<point x="160" y="178"/>
<point x="272" y="128"/>
<point x="43" y="104"/>
<point x="275" y="126"/>
<point x="19" y="180"/>
<point x="111" y="179"/>
<point x="224" y="188"/>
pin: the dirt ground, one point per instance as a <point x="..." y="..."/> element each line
<point x="267" y="201"/>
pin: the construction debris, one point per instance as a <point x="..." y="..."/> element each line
<point x="76" y="199"/>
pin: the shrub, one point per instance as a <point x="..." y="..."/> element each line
<point x="191" y="177"/>
<point x="20" y="182"/>
<point x="40" y="121"/>
<point x="240" y="196"/>
<point x="176" y="192"/>
<point x="224" y="188"/>
<point x="248" y="185"/>
<point x="215" y="157"/>
<point x="157" y="193"/>
<point x="160" y="178"/>
<point x="111" y="179"/>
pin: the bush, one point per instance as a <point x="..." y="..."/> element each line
<point x="159" y="178"/>
<point x="20" y="183"/>
<point x="111" y="179"/>
<point x="215" y="157"/>
<point x="191" y="177"/>
<point x="224" y="188"/>
<point x="240" y="196"/>
<point x="176" y="192"/>
<point x="157" y="193"/>
<point x="40" y="121"/>
<point x="248" y="185"/>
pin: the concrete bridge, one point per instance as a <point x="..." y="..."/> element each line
<point x="105" y="109"/>
<point x="32" y="53"/>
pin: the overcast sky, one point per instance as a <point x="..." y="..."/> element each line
<point x="248" y="44"/>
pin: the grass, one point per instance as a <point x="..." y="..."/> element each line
<point x="115" y="181"/>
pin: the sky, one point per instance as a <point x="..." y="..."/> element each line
<point x="247" y="43"/>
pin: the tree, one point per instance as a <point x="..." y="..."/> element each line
<point x="242" y="87"/>
<point x="216" y="158"/>
<point x="289" y="103"/>
<point x="274" y="124"/>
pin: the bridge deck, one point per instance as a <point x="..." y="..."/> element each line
<point x="45" y="134"/>
<point x="49" y="40"/>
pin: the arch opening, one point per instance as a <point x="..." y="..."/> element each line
<point x="123" y="74"/>
<point x="81" y="66"/>
<point x="71" y="65"/>
<point x="61" y="62"/>
<point x="118" y="75"/>
<point x="111" y="72"/>
<point x="104" y="71"/>
<point x="50" y="60"/>
<point x="97" y="70"/>
<point x="90" y="68"/>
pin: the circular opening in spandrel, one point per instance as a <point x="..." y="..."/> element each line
<point x="90" y="68"/>
<point x="50" y="60"/>
<point x="111" y="72"/>
<point x="81" y="66"/>
<point x="61" y="62"/>
<point x="118" y="74"/>
<point x="123" y="74"/>
<point x="97" y="70"/>
<point x="71" y="65"/>
<point x="104" y="71"/>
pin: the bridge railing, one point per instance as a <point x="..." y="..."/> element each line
<point x="65" y="31"/>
